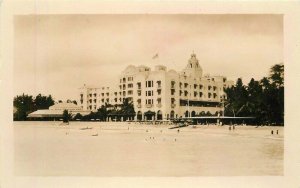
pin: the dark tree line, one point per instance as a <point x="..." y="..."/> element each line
<point x="25" y="104"/>
<point x="118" y="112"/>
<point x="262" y="99"/>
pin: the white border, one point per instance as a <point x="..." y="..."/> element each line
<point x="291" y="12"/>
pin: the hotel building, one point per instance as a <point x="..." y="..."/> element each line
<point x="162" y="93"/>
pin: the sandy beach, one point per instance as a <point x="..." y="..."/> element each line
<point x="129" y="149"/>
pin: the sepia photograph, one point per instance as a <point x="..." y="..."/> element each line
<point x="148" y="95"/>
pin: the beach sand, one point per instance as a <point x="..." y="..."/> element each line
<point x="123" y="149"/>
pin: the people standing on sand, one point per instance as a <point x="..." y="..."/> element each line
<point x="277" y="132"/>
<point x="272" y="132"/>
<point x="178" y="131"/>
<point x="230" y="127"/>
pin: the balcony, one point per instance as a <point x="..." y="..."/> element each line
<point x="173" y="105"/>
<point x="149" y="105"/>
<point x="159" y="105"/>
<point x="139" y="106"/>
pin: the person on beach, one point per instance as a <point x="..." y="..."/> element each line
<point x="277" y="132"/>
<point x="272" y="132"/>
<point x="178" y="131"/>
<point x="230" y="127"/>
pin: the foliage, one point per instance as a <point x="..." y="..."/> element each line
<point x="124" y="110"/>
<point x="262" y="99"/>
<point x="26" y="104"/>
<point x="78" y="116"/>
<point x="66" y="116"/>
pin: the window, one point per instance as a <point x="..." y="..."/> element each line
<point x="158" y="100"/>
<point x="201" y="86"/>
<point x="158" y="92"/>
<point x="139" y="85"/>
<point x="186" y="93"/>
<point x="195" y="94"/>
<point x="130" y="85"/>
<point x="172" y="91"/>
<point x="149" y="93"/>
<point x="209" y="87"/>
<point x="209" y="95"/>
<point x="130" y="92"/>
<point x="139" y="101"/>
<point x="102" y="94"/>
<point x="200" y="94"/>
<point x="172" y="101"/>
<point x="149" y="83"/>
<point x="159" y="84"/>
<point x="139" y="93"/>
<point x="149" y="101"/>
<point x="173" y="84"/>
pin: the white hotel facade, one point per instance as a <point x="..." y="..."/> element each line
<point x="167" y="93"/>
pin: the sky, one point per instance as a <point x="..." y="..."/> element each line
<point x="57" y="54"/>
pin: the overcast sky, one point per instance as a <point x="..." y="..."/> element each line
<point x="57" y="54"/>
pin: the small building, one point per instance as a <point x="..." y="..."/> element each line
<point x="56" y="111"/>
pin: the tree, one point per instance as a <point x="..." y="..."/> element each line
<point x="43" y="102"/>
<point x="66" y="116"/>
<point x="78" y="116"/>
<point x="127" y="109"/>
<point x="277" y="75"/>
<point x="25" y="105"/>
<point x="262" y="99"/>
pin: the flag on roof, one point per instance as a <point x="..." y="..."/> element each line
<point x="155" y="56"/>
